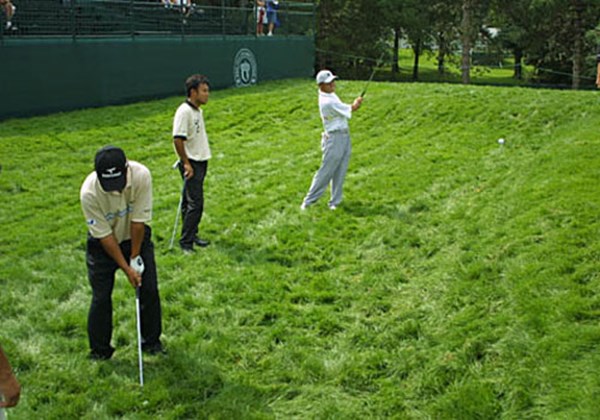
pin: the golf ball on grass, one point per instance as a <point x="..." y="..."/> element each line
<point x="500" y="141"/>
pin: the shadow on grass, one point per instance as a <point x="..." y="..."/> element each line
<point x="182" y="382"/>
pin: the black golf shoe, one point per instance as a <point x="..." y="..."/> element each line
<point x="102" y="354"/>
<point x="153" y="349"/>
<point x="201" y="242"/>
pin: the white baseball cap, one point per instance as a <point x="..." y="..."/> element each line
<point x="325" y="76"/>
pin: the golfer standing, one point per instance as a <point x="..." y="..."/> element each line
<point x="116" y="200"/>
<point x="191" y="145"/>
<point x="335" y="142"/>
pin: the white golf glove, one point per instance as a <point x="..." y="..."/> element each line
<point x="137" y="264"/>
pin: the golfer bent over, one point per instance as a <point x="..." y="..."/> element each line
<point x="335" y="142"/>
<point x="191" y="145"/>
<point x="117" y="203"/>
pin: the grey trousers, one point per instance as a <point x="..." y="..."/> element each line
<point x="337" y="149"/>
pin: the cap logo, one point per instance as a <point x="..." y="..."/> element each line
<point x="110" y="173"/>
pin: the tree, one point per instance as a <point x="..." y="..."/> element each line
<point x="445" y="21"/>
<point x="473" y="15"/>
<point x="349" y="36"/>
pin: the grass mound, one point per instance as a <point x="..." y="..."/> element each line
<point x="459" y="277"/>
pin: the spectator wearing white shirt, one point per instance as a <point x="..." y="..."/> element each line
<point x="335" y="142"/>
<point x="261" y="17"/>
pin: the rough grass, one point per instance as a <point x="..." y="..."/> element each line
<point x="459" y="278"/>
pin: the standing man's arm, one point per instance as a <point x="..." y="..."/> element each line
<point x="110" y="245"/>
<point x="9" y="386"/>
<point x="141" y="214"/>
<point x="188" y="170"/>
<point x="137" y="237"/>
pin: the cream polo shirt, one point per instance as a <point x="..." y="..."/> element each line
<point x="113" y="211"/>
<point x="334" y="113"/>
<point x="188" y="124"/>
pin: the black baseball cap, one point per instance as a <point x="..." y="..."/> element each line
<point x="111" y="167"/>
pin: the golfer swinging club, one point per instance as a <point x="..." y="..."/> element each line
<point x="335" y="142"/>
<point x="116" y="200"/>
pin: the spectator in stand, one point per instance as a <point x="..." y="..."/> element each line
<point x="184" y="5"/>
<point x="261" y="17"/>
<point x="598" y="70"/>
<point x="9" y="9"/>
<point x="272" y="6"/>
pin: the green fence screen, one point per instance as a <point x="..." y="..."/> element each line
<point x="40" y="76"/>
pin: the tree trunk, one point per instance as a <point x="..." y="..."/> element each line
<point x="466" y="41"/>
<point x="518" y="68"/>
<point x="417" y="51"/>
<point x="578" y="7"/>
<point x="441" y="53"/>
<point x="395" y="67"/>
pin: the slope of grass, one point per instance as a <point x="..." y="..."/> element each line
<point x="459" y="278"/>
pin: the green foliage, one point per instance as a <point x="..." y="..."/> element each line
<point x="553" y="36"/>
<point x="459" y="278"/>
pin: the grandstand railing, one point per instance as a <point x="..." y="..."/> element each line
<point x="105" y="18"/>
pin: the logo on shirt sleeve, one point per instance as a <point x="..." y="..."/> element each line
<point x="91" y="222"/>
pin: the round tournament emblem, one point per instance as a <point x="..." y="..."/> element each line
<point x="245" y="69"/>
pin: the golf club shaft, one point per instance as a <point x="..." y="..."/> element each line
<point x="139" y="334"/>
<point x="177" y="215"/>
<point x="372" y="74"/>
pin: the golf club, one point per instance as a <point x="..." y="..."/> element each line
<point x="362" y="95"/>
<point x="178" y="210"/>
<point x="139" y="334"/>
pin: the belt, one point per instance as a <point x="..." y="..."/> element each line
<point x="342" y="131"/>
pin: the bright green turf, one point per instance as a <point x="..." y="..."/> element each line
<point x="459" y="278"/>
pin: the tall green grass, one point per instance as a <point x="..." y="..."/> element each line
<point x="459" y="278"/>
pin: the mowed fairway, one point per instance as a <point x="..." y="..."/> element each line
<point x="458" y="279"/>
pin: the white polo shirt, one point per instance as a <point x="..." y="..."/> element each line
<point x="334" y="113"/>
<point x="188" y="124"/>
<point x="113" y="211"/>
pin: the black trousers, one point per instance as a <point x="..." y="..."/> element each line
<point x="192" y="205"/>
<point x="101" y="274"/>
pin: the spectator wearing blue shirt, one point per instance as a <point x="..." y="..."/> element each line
<point x="272" y="6"/>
